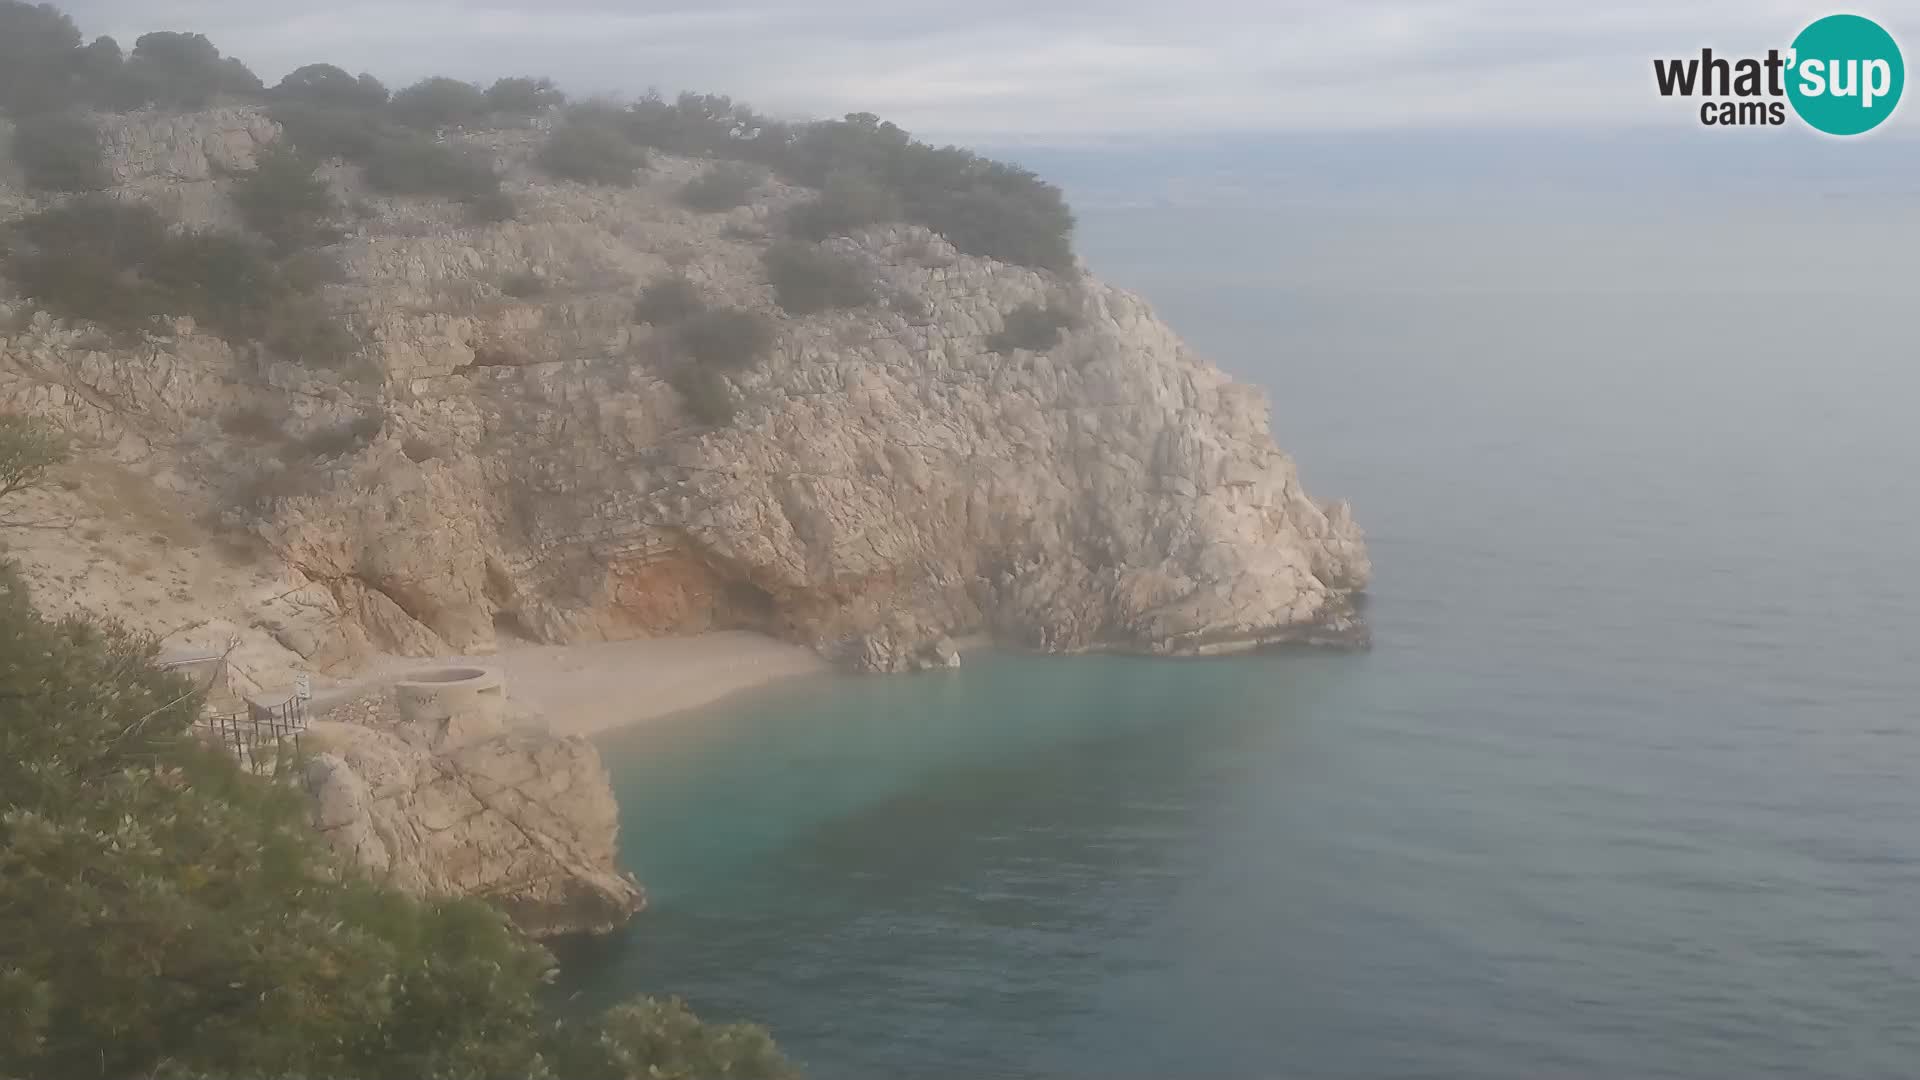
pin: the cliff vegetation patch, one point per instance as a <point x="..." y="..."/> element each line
<point x="722" y="187"/>
<point x="808" y="278"/>
<point x="726" y="337"/>
<point x="870" y="170"/>
<point x="1033" y="326"/>
<point x="59" y="152"/>
<point x="667" y="300"/>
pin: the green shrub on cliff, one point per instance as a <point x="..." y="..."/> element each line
<point x="118" y="264"/>
<point x="723" y="187"/>
<point x="1032" y="326"/>
<point x="28" y="448"/>
<point x="439" y="102"/>
<point x="707" y="394"/>
<point x="592" y="153"/>
<point x="59" y="152"/>
<point x="163" y="913"/>
<point x="419" y="166"/>
<point x="807" y="278"/>
<point x="726" y="337"/>
<point x="667" y="300"/>
<point x="283" y="200"/>
<point x="848" y="200"/>
<point x="38" y="44"/>
<point x="523" y="95"/>
<point x="180" y="71"/>
<point x="324" y="84"/>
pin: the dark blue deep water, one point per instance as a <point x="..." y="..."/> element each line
<point x="1628" y="787"/>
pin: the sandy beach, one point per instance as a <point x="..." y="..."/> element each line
<point x="590" y="688"/>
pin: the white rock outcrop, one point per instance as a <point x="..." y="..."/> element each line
<point x="469" y="805"/>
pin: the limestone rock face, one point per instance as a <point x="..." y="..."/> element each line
<point x="512" y="815"/>
<point x="889" y="480"/>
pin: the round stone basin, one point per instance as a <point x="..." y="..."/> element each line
<point x="459" y="705"/>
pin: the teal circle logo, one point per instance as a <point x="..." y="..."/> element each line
<point x="1845" y="75"/>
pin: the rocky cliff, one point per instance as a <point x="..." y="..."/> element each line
<point x="523" y="465"/>
<point x="464" y="804"/>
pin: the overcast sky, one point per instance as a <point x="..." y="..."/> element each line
<point x="1046" y="70"/>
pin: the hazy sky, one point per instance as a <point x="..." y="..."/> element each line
<point x="1003" y="69"/>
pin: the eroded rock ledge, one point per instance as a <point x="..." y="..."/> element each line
<point x="450" y="794"/>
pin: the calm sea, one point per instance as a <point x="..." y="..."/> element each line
<point x="1628" y="787"/>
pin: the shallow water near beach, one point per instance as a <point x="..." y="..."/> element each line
<point x="1626" y="787"/>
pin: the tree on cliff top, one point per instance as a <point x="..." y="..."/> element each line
<point x="37" y="43"/>
<point x="324" y="84"/>
<point x="163" y="913"/>
<point x="180" y="70"/>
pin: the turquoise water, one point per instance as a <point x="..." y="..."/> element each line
<point x="1626" y="787"/>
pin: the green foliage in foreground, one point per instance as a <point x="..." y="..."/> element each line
<point x="164" y="914"/>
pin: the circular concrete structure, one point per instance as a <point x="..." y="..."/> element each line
<point x="462" y="703"/>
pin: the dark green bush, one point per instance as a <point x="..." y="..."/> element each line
<point x="88" y="260"/>
<point x="1029" y="226"/>
<point x="1031" y="326"/>
<point x="311" y="270"/>
<point x="304" y="331"/>
<point x="668" y="300"/>
<point x="984" y="207"/>
<point x="592" y="153"/>
<point x="181" y="71"/>
<point x="524" y="284"/>
<point x="850" y="200"/>
<point x="37" y="46"/>
<point x="523" y="96"/>
<point x="439" y="102"/>
<point x="705" y="125"/>
<point x="283" y="200"/>
<point x="730" y="338"/>
<point x="222" y="279"/>
<point x="807" y="279"/>
<point x="59" y="152"/>
<point x="97" y="72"/>
<point x="395" y="159"/>
<point x="491" y="208"/>
<point x="29" y="447"/>
<point x="419" y="166"/>
<point x="251" y="422"/>
<point x="116" y="263"/>
<point x="707" y="394"/>
<point x="721" y="187"/>
<point x="324" y="130"/>
<point x="326" y="85"/>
